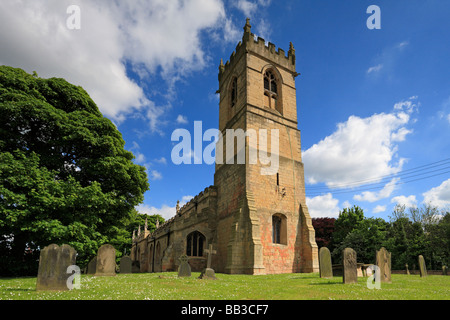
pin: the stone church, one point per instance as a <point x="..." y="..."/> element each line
<point x="258" y="224"/>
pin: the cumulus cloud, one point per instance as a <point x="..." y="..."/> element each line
<point x="360" y="149"/>
<point x="409" y="201"/>
<point x="165" y="210"/>
<point x="379" y="209"/>
<point x="323" y="206"/>
<point x="150" y="36"/>
<point x="182" y="119"/>
<point x="371" y="196"/>
<point x="439" y="196"/>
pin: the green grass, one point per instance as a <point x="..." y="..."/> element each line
<point x="167" y="286"/>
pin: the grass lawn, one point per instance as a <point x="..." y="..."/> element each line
<point x="167" y="286"/>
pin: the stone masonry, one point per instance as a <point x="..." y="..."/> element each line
<point x="258" y="223"/>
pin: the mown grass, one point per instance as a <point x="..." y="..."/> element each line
<point x="167" y="286"/>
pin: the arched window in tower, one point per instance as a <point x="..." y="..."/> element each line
<point x="279" y="229"/>
<point x="194" y="244"/>
<point x="270" y="90"/>
<point x="233" y="92"/>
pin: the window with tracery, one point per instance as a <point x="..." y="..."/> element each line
<point x="194" y="244"/>
<point x="270" y="90"/>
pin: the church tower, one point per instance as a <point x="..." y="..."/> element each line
<point x="262" y="222"/>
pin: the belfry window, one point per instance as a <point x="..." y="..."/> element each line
<point x="270" y="90"/>
<point x="194" y="244"/>
<point x="234" y="92"/>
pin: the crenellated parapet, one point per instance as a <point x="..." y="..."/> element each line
<point x="257" y="45"/>
<point x="205" y="199"/>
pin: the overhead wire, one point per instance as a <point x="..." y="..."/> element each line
<point x="380" y="182"/>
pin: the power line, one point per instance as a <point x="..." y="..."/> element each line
<point x="382" y="180"/>
<point x="385" y="177"/>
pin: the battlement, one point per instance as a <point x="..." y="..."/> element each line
<point x="194" y="206"/>
<point x="257" y="45"/>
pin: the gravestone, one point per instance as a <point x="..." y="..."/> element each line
<point x="184" y="270"/>
<point x="444" y="270"/>
<point x="407" y="270"/>
<point x="125" y="265"/>
<point x="208" y="273"/>
<point x="383" y="261"/>
<point x="325" y="267"/>
<point x="350" y="273"/>
<point x="422" y="266"/>
<point x="92" y="266"/>
<point x="106" y="261"/>
<point x="53" y="263"/>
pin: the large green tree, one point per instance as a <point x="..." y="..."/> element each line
<point x="65" y="176"/>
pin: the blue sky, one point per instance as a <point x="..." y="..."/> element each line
<point x="373" y="104"/>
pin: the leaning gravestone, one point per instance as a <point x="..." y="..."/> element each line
<point x="184" y="270"/>
<point x="92" y="266"/>
<point x="350" y="273"/>
<point x="125" y="265"/>
<point x="53" y="263"/>
<point x="106" y="261"/>
<point x="383" y="261"/>
<point x="325" y="267"/>
<point x="422" y="267"/>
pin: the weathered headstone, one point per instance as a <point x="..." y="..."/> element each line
<point x="350" y="273"/>
<point x="53" y="263"/>
<point x="407" y="270"/>
<point x="92" y="266"/>
<point x="422" y="266"/>
<point x="325" y="267"/>
<point x="444" y="270"/>
<point x="184" y="270"/>
<point x="383" y="261"/>
<point x="125" y="265"/>
<point x="208" y="273"/>
<point x="106" y="261"/>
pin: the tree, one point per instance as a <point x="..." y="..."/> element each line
<point x="424" y="231"/>
<point x="346" y="222"/>
<point x="366" y="238"/>
<point x="324" y="228"/>
<point x="65" y="176"/>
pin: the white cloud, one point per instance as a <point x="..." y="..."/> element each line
<point x="371" y="196"/>
<point x="155" y="175"/>
<point x="409" y="201"/>
<point x="148" y="35"/>
<point x="247" y="7"/>
<point x="375" y="68"/>
<point x="346" y="204"/>
<point x="360" y="149"/>
<point x="323" y="206"/>
<point x="379" y="209"/>
<point x="182" y="119"/>
<point x="439" y="196"/>
<point x="165" y="211"/>
<point x="161" y="160"/>
<point x="402" y="44"/>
